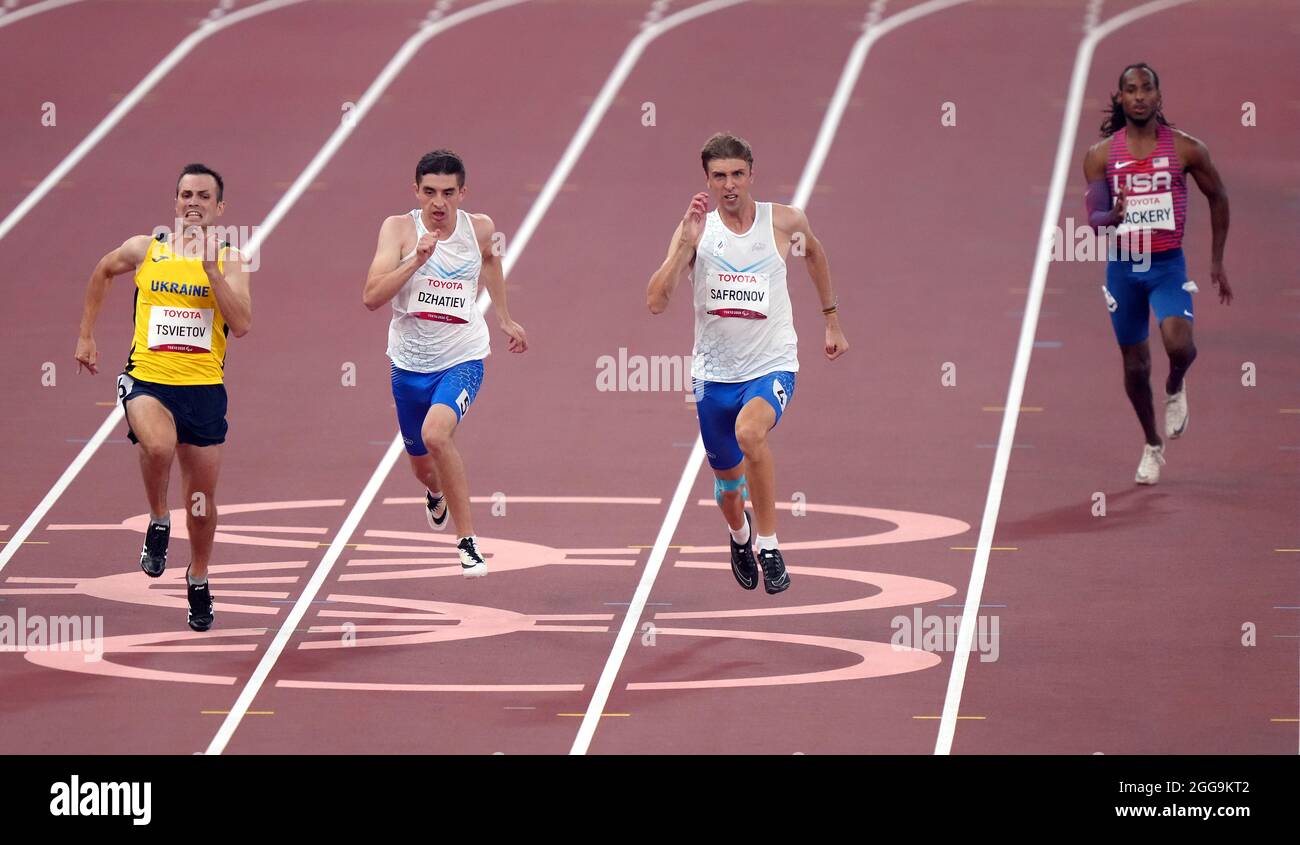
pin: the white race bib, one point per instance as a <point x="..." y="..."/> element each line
<point x="174" y="328"/>
<point x="1148" y="211"/>
<point x="441" y="300"/>
<point x="743" y="295"/>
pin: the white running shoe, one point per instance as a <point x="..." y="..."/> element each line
<point x="472" y="564"/>
<point x="435" y="510"/>
<point x="1176" y="413"/>
<point x="1153" y="457"/>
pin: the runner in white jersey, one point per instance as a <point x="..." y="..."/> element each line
<point x="428" y="265"/>
<point x="746" y="351"/>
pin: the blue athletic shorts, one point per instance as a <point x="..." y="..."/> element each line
<point x="415" y="393"/>
<point x="718" y="404"/>
<point x="1131" y="292"/>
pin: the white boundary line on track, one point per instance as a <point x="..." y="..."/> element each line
<point x="540" y="205"/>
<point x="376" y="90"/>
<point x="35" y="9"/>
<point x="207" y="28"/>
<point x="83" y="457"/>
<point x="1020" y="369"/>
<point x="400" y="59"/>
<point x="812" y="169"/>
<point x="631" y="55"/>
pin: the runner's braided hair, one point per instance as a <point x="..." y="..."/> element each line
<point x="1115" y="119"/>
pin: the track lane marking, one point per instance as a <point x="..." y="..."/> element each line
<point x="206" y="29"/>
<point x="874" y="30"/>
<point x="533" y="218"/>
<point x="35" y="9"/>
<point x="1024" y="349"/>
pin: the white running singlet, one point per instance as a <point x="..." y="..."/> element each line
<point x="743" y="324"/>
<point x="436" y="324"/>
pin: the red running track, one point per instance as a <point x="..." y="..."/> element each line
<point x="869" y="437"/>
<point x="1130" y="629"/>
<point x="71" y="51"/>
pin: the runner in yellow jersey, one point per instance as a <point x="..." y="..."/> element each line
<point x="191" y="293"/>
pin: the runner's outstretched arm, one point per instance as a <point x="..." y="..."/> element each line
<point x="493" y="278"/>
<point x="121" y="260"/>
<point x="794" y="223"/>
<point x="1208" y="180"/>
<point x="681" y="255"/>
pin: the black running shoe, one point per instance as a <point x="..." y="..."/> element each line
<point x="153" y="558"/>
<point x="472" y="564"/>
<point x="200" y="605"/>
<point x="431" y="504"/>
<point x="775" y="578"/>
<point x="742" y="560"/>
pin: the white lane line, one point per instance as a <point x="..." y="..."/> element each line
<point x="24" y="531"/>
<point x="848" y="81"/>
<point x="433" y="25"/>
<point x="34" y="9"/>
<point x="206" y="29"/>
<point x="430" y="28"/>
<point x="515" y="250"/>
<point x="116" y="415"/>
<point x="596" y="113"/>
<point x="1020" y="370"/>
<point x="531" y="221"/>
<point x="821" y="148"/>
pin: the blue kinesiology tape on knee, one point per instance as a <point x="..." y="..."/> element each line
<point x="721" y="485"/>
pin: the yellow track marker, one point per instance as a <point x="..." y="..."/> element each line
<point x="28" y="542"/>
<point x="1284" y="720"/>
<point x="1286" y="550"/>
<point x="959" y="717"/>
<point x="227" y="712"/>
<point x="580" y="715"/>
